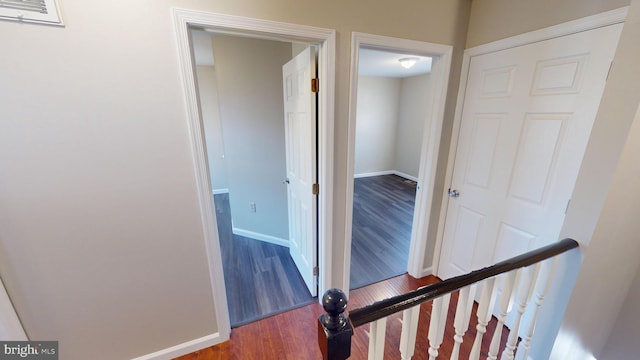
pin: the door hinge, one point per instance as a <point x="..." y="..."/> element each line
<point x="316" y="271"/>
<point x="609" y="72"/>
<point x="567" y="207"/>
<point x="315" y="189"/>
<point x="315" y="85"/>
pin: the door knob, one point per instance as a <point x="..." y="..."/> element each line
<point x="454" y="193"/>
<point x="285" y="181"/>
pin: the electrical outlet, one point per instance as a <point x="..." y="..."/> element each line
<point x="252" y="206"/>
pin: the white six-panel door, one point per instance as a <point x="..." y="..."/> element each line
<point x="300" y="135"/>
<point x="526" y="121"/>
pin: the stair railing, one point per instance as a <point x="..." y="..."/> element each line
<point x="520" y="276"/>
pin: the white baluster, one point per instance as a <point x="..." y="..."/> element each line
<point x="506" y="300"/>
<point x="377" y="331"/>
<point x="439" y="311"/>
<point x="409" y="332"/>
<point x="525" y="290"/>
<point x="485" y="306"/>
<point x="463" y="314"/>
<point x="546" y="274"/>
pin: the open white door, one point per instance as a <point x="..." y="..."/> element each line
<point x="300" y="135"/>
<point x="526" y="121"/>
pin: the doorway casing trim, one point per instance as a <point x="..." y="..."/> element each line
<point x="611" y="17"/>
<point x="184" y="19"/>
<point x="430" y="144"/>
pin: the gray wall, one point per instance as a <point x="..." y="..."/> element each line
<point x="100" y="231"/>
<point x="249" y="79"/>
<point x="391" y="114"/>
<point x="376" y="123"/>
<point x="415" y="93"/>
<point x="214" y="139"/>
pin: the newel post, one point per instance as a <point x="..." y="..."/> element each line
<point x="334" y="329"/>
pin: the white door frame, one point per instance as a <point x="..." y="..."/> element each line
<point x="611" y="17"/>
<point x="430" y="144"/>
<point x="326" y="39"/>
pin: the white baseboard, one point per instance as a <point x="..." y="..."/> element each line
<point x="184" y="348"/>
<point x="386" y="172"/>
<point x="376" y="173"/>
<point x="261" y="237"/>
<point x="406" y="176"/>
<point x="220" y="191"/>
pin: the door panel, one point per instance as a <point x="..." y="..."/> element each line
<point x="526" y="120"/>
<point x="300" y="134"/>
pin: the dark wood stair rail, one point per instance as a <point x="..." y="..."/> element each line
<point x="335" y="328"/>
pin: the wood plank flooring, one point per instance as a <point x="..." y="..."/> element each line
<point x="261" y="278"/>
<point x="382" y="220"/>
<point x="293" y="334"/>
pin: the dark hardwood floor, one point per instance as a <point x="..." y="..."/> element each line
<point x="381" y="234"/>
<point x="261" y="278"/>
<point x="293" y="334"/>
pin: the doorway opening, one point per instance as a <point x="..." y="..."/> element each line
<point x="392" y="110"/>
<point x="324" y="41"/>
<point x="394" y="136"/>
<point x="252" y="147"/>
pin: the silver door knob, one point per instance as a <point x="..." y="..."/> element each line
<point x="454" y="193"/>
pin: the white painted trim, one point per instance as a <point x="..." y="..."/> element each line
<point x="588" y="23"/>
<point x="386" y="172"/>
<point x="429" y="153"/>
<point x="184" y="348"/>
<point x="182" y="21"/>
<point x="611" y="17"/>
<point x="326" y="39"/>
<point x="259" y="236"/>
<point x="406" y="176"/>
<point x="10" y="326"/>
<point x="427" y="271"/>
<point x="326" y="114"/>
<point x="375" y="173"/>
<point x="220" y="191"/>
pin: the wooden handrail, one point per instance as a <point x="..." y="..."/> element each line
<point x="387" y="307"/>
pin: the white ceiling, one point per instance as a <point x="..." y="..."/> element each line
<point x="386" y="64"/>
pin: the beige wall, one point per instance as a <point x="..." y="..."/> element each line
<point x="623" y="340"/>
<point x="101" y="244"/>
<point x="498" y="19"/>
<point x="607" y="195"/>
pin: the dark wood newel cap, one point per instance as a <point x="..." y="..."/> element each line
<point x="334" y="328"/>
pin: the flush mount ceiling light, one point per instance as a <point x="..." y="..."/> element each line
<point x="408" y="62"/>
